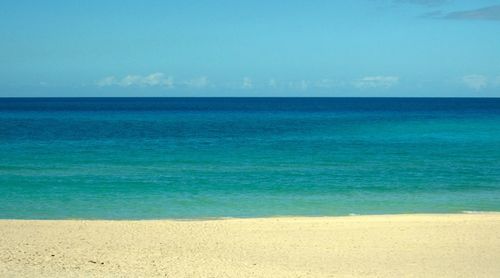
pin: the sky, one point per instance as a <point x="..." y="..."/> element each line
<point x="365" y="48"/>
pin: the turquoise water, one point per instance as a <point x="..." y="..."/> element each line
<point x="222" y="157"/>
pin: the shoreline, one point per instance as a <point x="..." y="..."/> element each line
<point x="395" y="245"/>
<point x="255" y="217"/>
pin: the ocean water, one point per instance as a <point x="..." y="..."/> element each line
<point x="150" y="158"/>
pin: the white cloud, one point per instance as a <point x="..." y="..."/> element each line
<point x="247" y="83"/>
<point x="273" y="83"/>
<point x="157" y="79"/>
<point x="151" y="80"/>
<point x="303" y="85"/>
<point x="107" y="81"/>
<point x="475" y="81"/>
<point x="299" y="85"/>
<point x="372" y="82"/>
<point x="326" y="83"/>
<point x="130" y="80"/>
<point x="197" y="83"/>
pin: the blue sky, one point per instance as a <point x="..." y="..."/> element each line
<point x="250" y="48"/>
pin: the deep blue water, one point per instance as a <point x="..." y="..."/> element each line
<point x="143" y="158"/>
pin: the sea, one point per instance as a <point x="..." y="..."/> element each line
<point x="203" y="158"/>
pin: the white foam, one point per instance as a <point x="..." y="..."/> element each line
<point x="477" y="212"/>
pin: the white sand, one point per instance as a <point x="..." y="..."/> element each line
<point x="462" y="245"/>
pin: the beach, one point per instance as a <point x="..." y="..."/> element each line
<point x="420" y="245"/>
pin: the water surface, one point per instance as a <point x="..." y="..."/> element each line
<point x="148" y="158"/>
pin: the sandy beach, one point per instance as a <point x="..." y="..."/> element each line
<point x="461" y="245"/>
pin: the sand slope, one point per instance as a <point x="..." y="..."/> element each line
<point x="466" y="245"/>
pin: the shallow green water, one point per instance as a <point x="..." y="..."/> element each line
<point x="192" y="158"/>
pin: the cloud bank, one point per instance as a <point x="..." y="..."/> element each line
<point x="247" y="83"/>
<point x="197" y="83"/>
<point x="491" y="13"/>
<point x="373" y="82"/>
<point x="423" y="2"/>
<point x="486" y="13"/>
<point x="475" y="81"/>
<point x="161" y="80"/>
<point x="155" y="79"/>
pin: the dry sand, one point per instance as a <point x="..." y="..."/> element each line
<point x="462" y="245"/>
